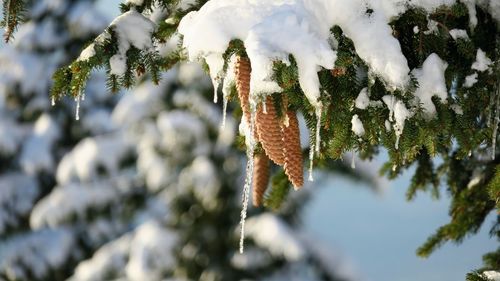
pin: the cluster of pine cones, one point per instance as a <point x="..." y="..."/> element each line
<point x="279" y="137"/>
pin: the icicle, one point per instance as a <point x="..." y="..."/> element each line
<point x="224" y="112"/>
<point x="394" y="167"/>
<point x="353" y="163"/>
<point x="396" y="146"/>
<point x="53" y="101"/>
<point x="83" y="96"/>
<point x="264" y="106"/>
<point x="249" y="174"/>
<point x="495" y="124"/>
<point x="77" y="112"/>
<point x="311" y="158"/>
<point x="319" y="110"/>
<point x="215" y="82"/>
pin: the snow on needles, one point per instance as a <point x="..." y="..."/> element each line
<point x="133" y="29"/>
<point x="431" y="82"/>
<point x="272" y="30"/>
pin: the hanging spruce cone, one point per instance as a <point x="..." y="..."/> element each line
<point x="270" y="132"/>
<point x="260" y="178"/>
<point x="293" y="151"/>
<point x="242" y="71"/>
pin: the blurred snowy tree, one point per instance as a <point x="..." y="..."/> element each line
<point x="418" y="79"/>
<point x="144" y="188"/>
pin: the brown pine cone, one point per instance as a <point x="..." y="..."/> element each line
<point x="270" y="132"/>
<point x="242" y="71"/>
<point x="260" y="178"/>
<point x="293" y="151"/>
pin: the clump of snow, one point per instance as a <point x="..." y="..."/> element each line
<point x="471" y="8"/>
<point x="201" y="178"/>
<point x="110" y="258"/>
<point x="90" y="155"/>
<point x="459" y="34"/>
<point x="482" y="62"/>
<point x="398" y="113"/>
<point x="261" y="25"/>
<point x="470" y="80"/>
<point x="71" y="199"/>
<point x="37" y="153"/>
<point x="144" y="254"/>
<point x="181" y="129"/>
<point x="362" y="101"/>
<point x="270" y="232"/>
<point x="132" y="29"/>
<point x="357" y="126"/>
<point x="18" y="194"/>
<point x="10" y="136"/>
<point x="432" y="27"/>
<point x="151" y="252"/>
<point x="35" y="254"/>
<point x="87" y="53"/>
<point x="492" y="275"/>
<point x="431" y="81"/>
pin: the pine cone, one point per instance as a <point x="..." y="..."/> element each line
<point x="242" y="71"/>
<point x="270" y="132"/>
<point x="260" y="178"/>
<point x="293" y="151"/>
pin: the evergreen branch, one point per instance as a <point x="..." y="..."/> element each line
<point x="13" y="14"/>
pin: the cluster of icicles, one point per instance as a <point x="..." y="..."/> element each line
<point x="279" y="137"/>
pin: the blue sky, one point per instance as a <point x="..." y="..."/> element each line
<point x="379" y="233"/>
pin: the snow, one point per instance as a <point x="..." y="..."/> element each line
<point x="10" y="136"/>
<point x="262" y="25"/>
<point x="470" y="80"/>
<point x="18" y="194"/>
<point x="432" y="82"/>
<point x="270" y="232"/>
<point x="201" y="178"/>
<point x="398" y="113"/>
<point x="132" y="29"/>
<point x="37" y="153"/>
<point x="35" y="253"/>
<point x="151" y="252"/>
<point x="90" y="154"/>
<point x="492" y="275"/>
<point x="71" y="200"/>
<point x="110" y="258"/>
<point x="357" y="126"/>
<point x="482" y="62"/>
<point x="459" y="34"/>
<point x="87" y="53"/>
<point x="143" y="254"/>
<point x="363" y="100"/>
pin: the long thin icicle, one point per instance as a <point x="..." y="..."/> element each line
<point x="215" y="82"/>
<point x="53" y="101"/>
<point x="311" y="159"/>
<point x="224" y="112"/>
<point x="249" y="174"/>
<point x="319" y="111"/>
<point x="77" y="112"/>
